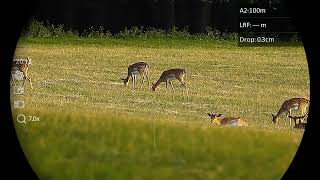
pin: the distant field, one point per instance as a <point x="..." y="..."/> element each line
<point x="104" y="130"/>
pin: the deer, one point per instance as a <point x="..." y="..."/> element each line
<point x="290" y="104"/>
<point x="300" y="125"/>
<point x="141" y="68"/>
<point x="169" y="75"/>
<point x="22" y="65"/>
<point x="221" y="120"/>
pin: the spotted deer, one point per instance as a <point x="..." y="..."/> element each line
<point x="221" y="120"/>
<point x="169" y="75"/>
<point x="141" y="68"/>
<point x="290" y="104"/>
<point x="22" y="65"/>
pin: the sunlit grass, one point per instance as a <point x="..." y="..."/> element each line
<point x="110" y="132"/>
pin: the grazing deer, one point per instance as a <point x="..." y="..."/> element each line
<point x="286" y="107"/>
<point x="221" y="120"/>
<point x="169" y="75"/>
<point x="300" y="125"/>
<point x="22" y="65"/>
<point x="141" y="68"/>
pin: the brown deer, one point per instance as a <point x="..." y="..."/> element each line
<point x="169" y="75"/>
<point x="22" y="65"/>
<point x="286" y="107"/>
<point x="141" y="68"/>
<point x="221" y="120"/>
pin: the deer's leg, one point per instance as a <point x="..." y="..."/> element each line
<point x="142" y="82"/>
<point x="290" y="115"/>
<point x="171" y="86"/>
<point x="185" y="86"/>
<point x="29" y="79"/>
<point x="132" y="80"/>
<point x="148" y="80"/>
<point x="135" y="80"/>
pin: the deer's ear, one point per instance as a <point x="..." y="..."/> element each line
<point x="209" y="114"/>
<point x="219" y="115"/>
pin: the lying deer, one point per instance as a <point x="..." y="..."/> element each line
<point x="221" y="120"/>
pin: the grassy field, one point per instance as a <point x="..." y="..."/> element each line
<point x="93" y="127"/>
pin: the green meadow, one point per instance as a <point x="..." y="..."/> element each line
<point x="94" y="127"/>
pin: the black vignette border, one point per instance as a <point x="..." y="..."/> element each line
<point x="19" y="11"/>
<point x="14" y="15"/>
<point x="307" y="156"/>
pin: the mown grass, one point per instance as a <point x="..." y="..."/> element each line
<point x="104" y="130"/>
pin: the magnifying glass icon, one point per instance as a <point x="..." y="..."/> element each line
<point x="21" y="119"/>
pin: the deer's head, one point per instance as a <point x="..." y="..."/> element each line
<point x="274" y="118"/>
<point x="125" y="81"/>
<point x="215" y="118"/>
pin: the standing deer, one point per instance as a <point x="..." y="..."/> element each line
<point x="141" y="68"/>
<point x="169" y="75"/>
<point x="221" y="120"/>
<point x="286" y="107"/>
<point x="22" y="65"/>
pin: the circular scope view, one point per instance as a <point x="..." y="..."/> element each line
<point x="174" y="98"/>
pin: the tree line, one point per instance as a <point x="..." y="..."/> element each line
<point x="116" y="15"/>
